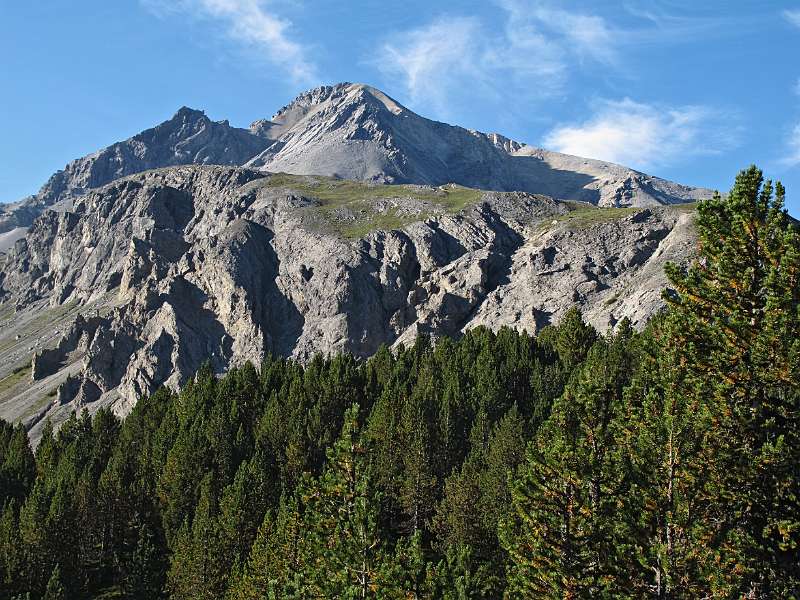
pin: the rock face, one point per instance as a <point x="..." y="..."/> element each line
<point x="354" y="131"/>
<point x="174" y="267"/>
<point x="189" y="137"/>
<point x="351" y="131"/>
<point x="196" y="241"/>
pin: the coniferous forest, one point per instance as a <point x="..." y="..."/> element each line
<point x="573" y="464"/>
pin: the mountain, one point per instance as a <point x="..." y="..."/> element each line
<point x="126" y="277"/>
<point x="352" y="131"/>
<point x="189" y="137"/>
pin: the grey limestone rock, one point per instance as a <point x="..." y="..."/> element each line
<point x="220" y="264"/>
<point x="196" y="241"/>
<point x="352" y="131"/>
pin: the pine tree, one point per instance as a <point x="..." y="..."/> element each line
<point x="54" y="589"/>
<point x="278" y="558"/>
<point x="143" y="573"/>
<point x="242" y="508"/>
<point x="417" y="490"/>
<point x="10" y="552"/>
<point x="477" y="495"/>
<point x="571" y="339"/>
<point x="563" y="533"/>
<point x="342" y="519"/>
<point x="459" y="576"/>
<point x="17" y="466"/>
<point x="734" y="314"/>
<point x="666" y="438"/>
<point x="196" y="569"/>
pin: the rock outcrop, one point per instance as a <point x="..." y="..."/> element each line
<point x="174" y="267"/>
<point x="189" y="137"/>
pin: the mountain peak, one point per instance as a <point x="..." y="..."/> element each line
<point x="355" y="131"/>
<point x="187" y="113"/>
<point x="344" y="93"/>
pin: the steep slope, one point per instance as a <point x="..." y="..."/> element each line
<point x="350" y="131"/>
<point x="357" y="132"/>
<point x="189" y="137"/>
<point x="149" y="276"/>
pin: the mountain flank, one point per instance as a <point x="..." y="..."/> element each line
<point x="351" y="131"/>
<point x="344" y="223"/>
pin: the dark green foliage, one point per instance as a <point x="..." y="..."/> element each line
<point x="239" y="485"/>
<point x="567" y="531"/>
<point x="734" y="314"/>
<point x="17" y="465"/>
<point x="54" y="589"/>
<point x="658" y="464"/>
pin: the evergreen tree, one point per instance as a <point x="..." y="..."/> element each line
<point x="197" y="570"/>
<point x="565" y="533"/>
<point x="417" y="491"/>
<point x="734" y="315"/>
<point x="342" y="518"/>
<point x="278" y="557"/>
<point x="17" y="465"/>
<point x="666" y="437"/>
<point x="459" y="576"/>
<point x="54" y="589"/>
<point x="10" y="552"/>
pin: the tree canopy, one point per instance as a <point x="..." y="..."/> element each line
<point x="662" y="463"/>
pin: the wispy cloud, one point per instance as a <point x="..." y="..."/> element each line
<point x="530" y="54"/>
<point x="793" y="16"/>
<point x="250" y="23"/>
<point x="645" y="135"/>
<point x="442" y="52"/>
<point x="539" y="48"/>
<point x="453" y="55"/>
<point x="679" y="24"/>
<point x="792" y="155"/>
<point x="588" y="36"/>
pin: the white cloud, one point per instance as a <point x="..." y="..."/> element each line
<point x="645" y="135"/>
<point x="431" y="57"/>
<point x="588" y="36"/>
<point x="793" y="16"/>
<point x="792" y="158"/>
<point x="249" y="23"/>
<point x="529" y="55"/>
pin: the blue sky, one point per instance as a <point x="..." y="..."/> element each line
<point x="691" y="91"/>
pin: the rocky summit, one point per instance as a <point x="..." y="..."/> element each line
<point x="343" y="223"/>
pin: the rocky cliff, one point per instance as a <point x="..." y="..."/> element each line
<point x="151" y="275"/>
<point x="343" y="223"/>
<point x="189" y="137"/>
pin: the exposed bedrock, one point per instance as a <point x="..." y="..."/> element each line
<point x="217" y="264"/>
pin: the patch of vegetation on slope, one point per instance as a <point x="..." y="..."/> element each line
<point x="354" y="209"/>
<point x="15" y="378"/>
<point x="583" y="216"/>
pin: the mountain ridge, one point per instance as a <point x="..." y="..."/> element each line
<point x="152" y="275"/>
<point x="119" y="278"/>
<point x="352" y="131"/>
